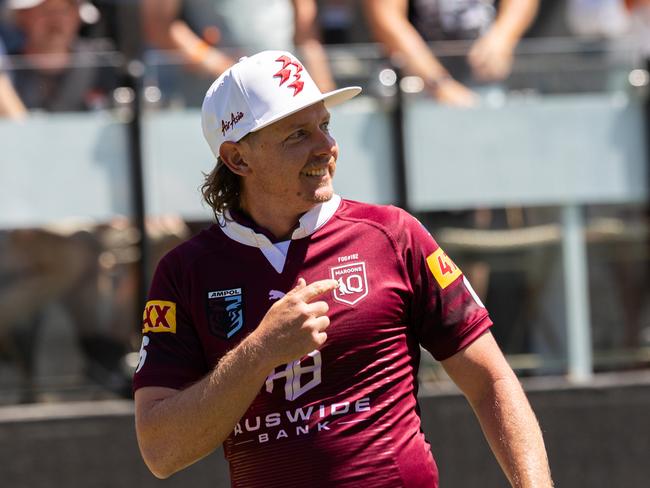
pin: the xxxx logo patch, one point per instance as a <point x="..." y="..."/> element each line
<point x="159" y="316"/>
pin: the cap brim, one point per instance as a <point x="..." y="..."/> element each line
<point x="335" y="97"/>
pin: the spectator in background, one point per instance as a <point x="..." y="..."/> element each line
<point x="59" y="71"/>
<point x="405" y="27"/>
<point x="640" y="27"/>
<point x="639" y="12"/>
<point x="10" y="104"/>
<point x="605" y="18"/>
<point x="343" y="22"/>
<point x="56" y="70"/>
<point x="199" y="29"/>
<point x="612" y="20"/>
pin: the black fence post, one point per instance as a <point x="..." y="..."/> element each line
<point x="134" y="77"/>
<point x="399" y="149"/>
<point x="130" y="44"/>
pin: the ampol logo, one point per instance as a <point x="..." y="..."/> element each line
<point x="225" y="312"/>
<point x="353" y="283"/>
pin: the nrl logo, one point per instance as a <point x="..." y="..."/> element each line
<point x="225" y="312"/>
<point x="353" y="283"/>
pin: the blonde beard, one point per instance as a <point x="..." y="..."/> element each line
<point x="322" y="198"/>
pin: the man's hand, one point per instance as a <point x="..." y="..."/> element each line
<point x="295" y="325"/>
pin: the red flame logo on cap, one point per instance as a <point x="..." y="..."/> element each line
<point x="284" y="73"/>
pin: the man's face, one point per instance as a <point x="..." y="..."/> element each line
<point x="51" y="26"/>
<point x="292" y="162"/>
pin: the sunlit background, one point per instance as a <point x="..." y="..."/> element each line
<point x="538" y="191"/>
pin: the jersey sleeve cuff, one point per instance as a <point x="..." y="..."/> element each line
<point x="469" y="335"/>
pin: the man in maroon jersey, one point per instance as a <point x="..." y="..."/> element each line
<point x="290" y="331"/>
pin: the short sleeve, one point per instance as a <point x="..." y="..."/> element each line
<point x="171" y="354"/>
<point x="447" y="315"/>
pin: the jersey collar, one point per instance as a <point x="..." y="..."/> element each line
<point x="309" y="223"/>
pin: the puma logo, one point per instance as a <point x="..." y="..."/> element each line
<point x="276" y="294"/>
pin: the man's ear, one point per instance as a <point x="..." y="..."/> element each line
<point x="231" y="155"/>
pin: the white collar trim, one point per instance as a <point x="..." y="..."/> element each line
<point x="309" y="223"/>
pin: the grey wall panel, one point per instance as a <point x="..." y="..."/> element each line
<point x="365" y="166"/>
<point x="175" y="157"/>
<point x="553" y="150"/>
<point x="63" y="166"/>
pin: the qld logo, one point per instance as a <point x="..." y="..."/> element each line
<point x="225" y="312"/>
<point x="353" y="283"/>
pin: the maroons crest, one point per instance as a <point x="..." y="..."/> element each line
<point x="353" y="283"/>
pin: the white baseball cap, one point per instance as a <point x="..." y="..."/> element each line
<point x="258" y="91"/>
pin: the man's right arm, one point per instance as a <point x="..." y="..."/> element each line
<point x="176" y="428"/>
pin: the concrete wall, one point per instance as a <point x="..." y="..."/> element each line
<point x="597" y="436"/>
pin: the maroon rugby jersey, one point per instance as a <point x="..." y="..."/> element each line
<point x="345" y="415"/>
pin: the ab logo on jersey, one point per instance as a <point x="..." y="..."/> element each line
<point x="225" y="312"/>
<point x="443" y="268"/>
<point x="353" y="284"/>
<point x="159" y="316"/>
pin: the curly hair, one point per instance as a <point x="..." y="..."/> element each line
<point x="221" y="188"/>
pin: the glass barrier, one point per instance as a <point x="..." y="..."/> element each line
<point x="559" y="147"/>
<point x="68" y="246"/>
<point x="497" y="185"/>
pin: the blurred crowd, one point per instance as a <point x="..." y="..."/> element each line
<point x="73" y="55"/>
<point x="60" y="52"/>
<point x="59" y="49"/>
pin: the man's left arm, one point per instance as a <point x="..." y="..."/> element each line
<point x="500" y="404"/>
